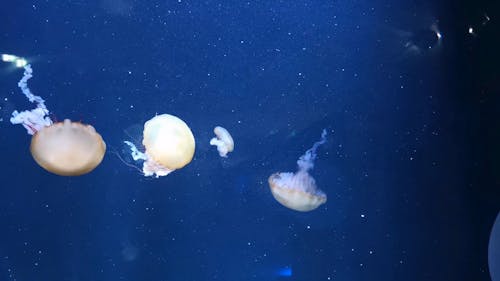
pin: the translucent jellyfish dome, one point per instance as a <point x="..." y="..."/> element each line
<point x="169" y="145"/>
<point x="296" y="191"/>
<point x="68" y="148"/>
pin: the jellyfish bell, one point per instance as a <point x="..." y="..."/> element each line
<point x="169" y="141"/>
<point x="223" y="141"/>
<point x="68" y="148"/>
<point x="298" y="191"/>
<point x="169" y="145"/>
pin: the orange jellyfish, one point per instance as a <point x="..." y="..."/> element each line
<point x="299" y="191"/>
<point x="169" y="145"/>
<point x="223" y="141"/>
<point x="68" y="148"/>
<point x="64" y="148"/>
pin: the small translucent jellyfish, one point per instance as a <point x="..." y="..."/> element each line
<point x="299" y="191"/>
<point x="65" y="148"/>
<point x="169" y="145"/>
<point x="223" y="141"/>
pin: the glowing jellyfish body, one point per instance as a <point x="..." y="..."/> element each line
<point x="68" y="148"/>
<point x="65" y="148"/>
<point x="223" y="141"/>
<point x="296" y="191"/>
<point x="299" y="191"/>
<point x="169" y="145"/>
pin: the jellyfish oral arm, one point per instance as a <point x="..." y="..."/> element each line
<point x="23" y="85"/>
<point x="136" y="154"/>
<point x="37" y="118"/>
<point x="306" y="161"/>
<point x="221" y="146"/>
<point x="149" y="168"/>
<point x="33" y="120"/>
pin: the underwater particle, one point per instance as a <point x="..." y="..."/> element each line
<point x="223" y="141"/>
<point x="298" y="191"/>
<point x="169" y="145"/>
<point x="64" y="148"/>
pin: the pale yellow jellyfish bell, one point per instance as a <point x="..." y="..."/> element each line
<point x="68" y="148"/>
<point x="223" y="141"/>
<point x="169" y="145"/>
<point x="169" y="141"/>
<point x="298" y="191"/>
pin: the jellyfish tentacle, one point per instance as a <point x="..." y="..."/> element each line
<point x="112" y="150"/>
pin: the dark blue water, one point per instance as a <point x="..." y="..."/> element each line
<point x="409" y="98"/>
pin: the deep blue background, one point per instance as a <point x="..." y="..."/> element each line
<point x="411" y="164"/>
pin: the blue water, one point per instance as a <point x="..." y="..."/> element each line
<point x="408" y="166"/>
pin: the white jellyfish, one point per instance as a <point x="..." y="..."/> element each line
<point x="64" y="148"/>
<point x="299" y="191"/>
<point x="223" y="141"/>
<point x="169" y="145"/>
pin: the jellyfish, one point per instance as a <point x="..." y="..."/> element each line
<point x="169" y="145"/>
<point x="223" y="141"/>
<point x="64" y="148"/>
<point x="298" y="191"/>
